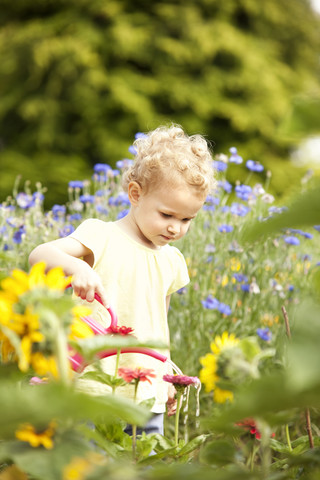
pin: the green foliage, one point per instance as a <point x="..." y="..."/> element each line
<point x="303" y="211"/>
<point x="79" y="78"/>
<point x="273" y="381"/>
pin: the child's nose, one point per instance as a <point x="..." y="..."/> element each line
<point x="174" y="228"/>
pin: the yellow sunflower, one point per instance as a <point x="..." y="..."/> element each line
<point x="208" y="376"/>
<point x="43" y="365"/>
<point x="20" y="282"/>
<point x="28" y="433"/>
<point x="79" y="329"/>
<point x="223" y="342"/>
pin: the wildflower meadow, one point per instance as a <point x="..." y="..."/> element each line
<point x="245" y="336"/>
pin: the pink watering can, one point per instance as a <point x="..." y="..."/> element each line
<point x="77" y="361"/>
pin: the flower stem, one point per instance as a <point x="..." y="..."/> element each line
<point x="116" y="369"/>
<point x="61" y="348"/>
<point x="288" y="438"/>
<point x="134" y="427"/>
<point x="176" y="431"/>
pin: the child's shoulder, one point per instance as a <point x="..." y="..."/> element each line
<point x="173" y="253"/>
<point x="95" y="226"/>
<point x="96" y="222"/>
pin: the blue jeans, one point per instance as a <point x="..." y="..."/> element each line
<point x="154" y="425"/>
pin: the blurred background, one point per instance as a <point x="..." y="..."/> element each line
<point x="78" y="78"/>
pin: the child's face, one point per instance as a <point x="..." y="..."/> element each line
<point x="164" y="215"/>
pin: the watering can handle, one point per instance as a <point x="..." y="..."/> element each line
<point x="114" y="318"/>
<point x="77" y="361"/>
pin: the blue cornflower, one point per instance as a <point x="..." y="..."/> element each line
<point x="101" y="168"/>
<point x="140" y="135"/>
<point x="19" y="234"/>
<point x="210" y="248"/>
<point x="225" y="228"/>
<point x="24" y="200"/>
<point x="219" y="166"/>
<point x="243" y="192"/>
<point x="245" y="287"/>
<point x="12" y="221"/>
<point x="227" y="187"/>
<point x="122" y="214"/>
<point x="121" y="199"/>
<point x="102" y="210"/>
<point x="3" y="230"/>
<point x="291" y="288"/>
<point x="225" y="209"/>
<point x="209" y="259"/>
<point x="264" y="334"/>
<point x="75" y="216"/>
<point x="306" y="234"/>
<point x="292" y="240"/>
<point x="86" y="198"/>
<point x="254" y="166"/>
<point x="212" y="200"/>
<point x="132" y="150"/>
<point x="224" y="309"/>
<point x="102" y="193"/>
<point x="182" y="291"/>
<point x="210" y="303"/>
<point x="235" y="158"/>
<point x="76" y="184"/>
<point x="239" y="209"/>
<point x="66" y="230"/>
<point x="240" y="277"/>
<point x="300" y="232"/>
<point x="317" y="227"/>
<point x="125" y="163"/>
<point x="58" y="210"/>
<point x="209" y="208"/>
<point x="38" y="197"/>
<point x="274" y="209"/>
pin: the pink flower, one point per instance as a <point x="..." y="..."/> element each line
<point x="116" y="330"/>
<point x="138" y="374"/>
<point x="37" y="380"/>
<point x="182" y="380"/>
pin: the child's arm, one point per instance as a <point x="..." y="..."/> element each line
<point x="168" y="302"/>
<point x="67" y="253"/>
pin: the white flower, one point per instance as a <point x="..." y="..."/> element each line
<point x="254" y="288"/>
<point x="267" y="198"/>
<point x="258" y="189"/>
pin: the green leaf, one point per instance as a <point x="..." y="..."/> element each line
<point x="303" y="211"/>
<point x="279" y="446"/>
<point x="36" y="461"/>
<point x="39" y="404"/>
<point x="104" y="378"/>
<point x="113" y="449"/>
<point x="145" y="445"/>
<point x="192" y="445"/>
<point x="219" y="453"/>
<point x="250" y="347"/>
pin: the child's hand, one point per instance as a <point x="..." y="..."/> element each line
<point x="172" y="402"/>
<point x="86" y="282"/>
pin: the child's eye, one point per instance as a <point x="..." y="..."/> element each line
<point x="166" y="215"/>
<point x="186" y="220"/>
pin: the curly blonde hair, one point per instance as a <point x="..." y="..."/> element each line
<point x="167" y="155"/>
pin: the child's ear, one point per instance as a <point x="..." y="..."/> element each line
<point x="134" y="192"/>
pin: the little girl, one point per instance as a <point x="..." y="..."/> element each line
<point x="130" y="262"/>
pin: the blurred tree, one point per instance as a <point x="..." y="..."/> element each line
<point x="79" y="78"/>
